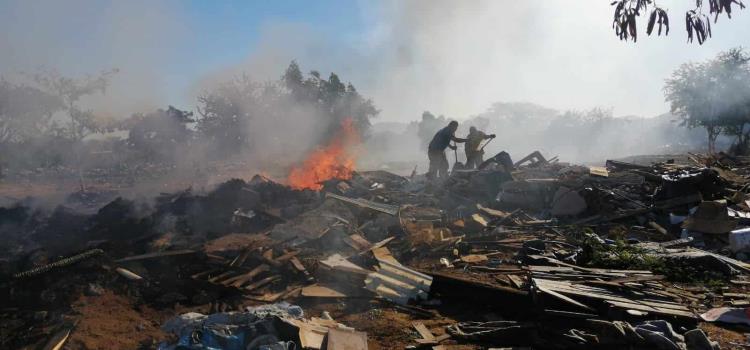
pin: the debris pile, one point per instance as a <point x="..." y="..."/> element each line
<point x="536" y="253"/>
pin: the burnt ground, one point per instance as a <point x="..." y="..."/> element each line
<point x="112" y="312"/>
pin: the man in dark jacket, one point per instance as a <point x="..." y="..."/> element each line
<point x="436" y="150"/>
<point x="475" y="155"/>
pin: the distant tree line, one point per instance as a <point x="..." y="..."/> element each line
<point x="713" y="95"/>
<point x="226" y="113"/>
<point x="43" y="123"/>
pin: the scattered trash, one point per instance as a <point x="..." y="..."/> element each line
<point x="625" y="255"/>
<point x="727" y="315"/>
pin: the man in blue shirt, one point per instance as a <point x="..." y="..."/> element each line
<point x="436" y="150"/>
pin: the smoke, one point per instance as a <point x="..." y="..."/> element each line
<point x="457" y="58"/>
<point x="448" y="57"/>
<point x="141" y="38"/>
<point x="453" y="57"/>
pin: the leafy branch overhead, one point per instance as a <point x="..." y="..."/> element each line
<point x="697" y="22"/>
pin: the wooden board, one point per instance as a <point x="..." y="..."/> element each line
<point x="341" y="339"/>
<point x="383" y="254"/>
<point x="423" y="331"/>
<point x="360" y="243"/>
<point x="318" y="291"/>
<point x="240" y="280"/>
<point x="598" y="171"/>
<point x="262" y="282"/>
<point x="564" y="298"/>
<point x="474" y="258"/>
<point x="663" y="307"/>
<point x="492" y="212"/>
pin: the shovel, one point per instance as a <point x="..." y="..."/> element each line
<point x="481" y="149"/>
<point x="485" y="144"/>
<point x="456" y="165"/>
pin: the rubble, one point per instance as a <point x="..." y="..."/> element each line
<point x="537" y="253"/>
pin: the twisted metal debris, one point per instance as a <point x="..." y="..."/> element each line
<point x="58" y="264"/>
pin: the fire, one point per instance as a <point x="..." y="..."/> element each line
<point x="335" y="160"/>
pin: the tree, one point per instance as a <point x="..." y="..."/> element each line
<point x="732" y="68"/>
<point x="25" y="112"/>
<point x="229" y="112"/>
<point x="714" y="95"/>
<point x="697" y="22"/>
<point x="360" y="109"/>
<point x="293" y="81"/>
<point x="334" y="100"/>
<point x="225" y="113"/>
<point x="70" y="90"/>
<point x="157" y="136"/>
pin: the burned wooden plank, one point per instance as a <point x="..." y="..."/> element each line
<point x="564" y="298"/>
<point x="664" y="307"/>
<point x="569" y="314"/>
<point x="319" y="291"/>
<point x="339" y="263"/>
<point x="221" y="276"/>
<point x="450" y="286"/>
<point x="736" y="295"/>
<point x="598" y="171"/>
<point x="250" y="275"/>
<point x="241" y="258"/>
<point x="364" y="203"/>
<point x="492" y="212"/>
<point x="515" y="281"/>
<point x="433" y="341"/>
<point x="423" y="331"/>
<point x="286" y="256"/>
<point x="262" y="282"/>
<point x="383" y="254"/>
<point x="301" y="268"/>
<point x="651" y="309"/>
<point x="358" y="242"/>
<point x="343" y="339"/>
<point x="204" y="273"/>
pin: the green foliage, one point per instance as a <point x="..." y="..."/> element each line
<point x="714" y="95"/>
<point x="330" y="97"/>
<point x="628" y="257"/>
<point x="227" y="112"/>
<point x="70" y="90"/>
<point x="25" y="112"/>
<point x="157" y="136"/>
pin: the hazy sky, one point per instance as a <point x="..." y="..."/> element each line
<point x="451" y="57"/>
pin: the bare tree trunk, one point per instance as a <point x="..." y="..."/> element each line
<point x="743" y="146"/>
<point x="712" y="135"/>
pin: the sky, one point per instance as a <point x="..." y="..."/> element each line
<point x="450" y="57"/>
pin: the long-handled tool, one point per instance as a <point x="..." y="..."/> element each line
<point x="481" y="149"/>
<point x="456" y="165"/>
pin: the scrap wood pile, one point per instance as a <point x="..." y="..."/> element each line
<point x="536" y="253"/>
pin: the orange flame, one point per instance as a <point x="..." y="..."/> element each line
<point x="335" y="160"/>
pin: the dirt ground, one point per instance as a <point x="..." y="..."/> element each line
<point x="112" y="322"/>
<point x="729" y="337"/>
